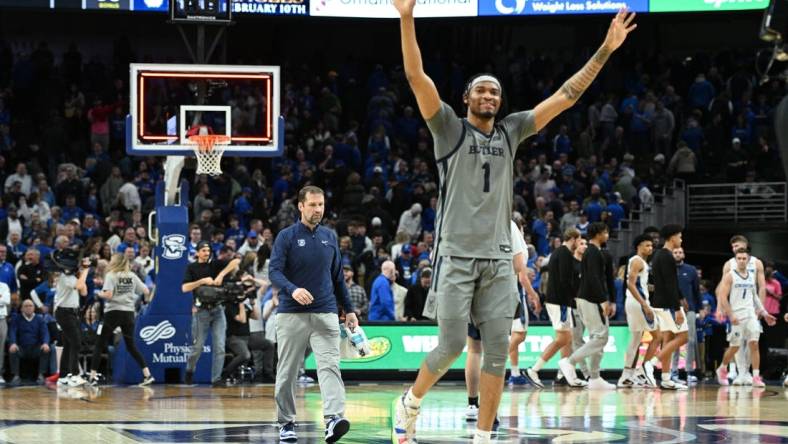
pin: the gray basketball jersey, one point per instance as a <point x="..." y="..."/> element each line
<point x="476" y="178"/>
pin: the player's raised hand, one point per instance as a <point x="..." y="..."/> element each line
<point x="621" y="25"/>
<point x="404" y="7"/>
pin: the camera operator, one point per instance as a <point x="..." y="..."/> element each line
<point x="238" y="334"/>
<point x="205" y="272"/>
<point x="68" y="290"/>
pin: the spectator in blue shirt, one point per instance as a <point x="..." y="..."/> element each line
<point x="28" y="337"/>
<point x="89" y="227"/>
<point x="129" y="240"/>
<point x="616" y="210"/>
<point x="243" y="205"/>
<point x="306" y="266"/>
<point x="71" y="210"/>
<point x="562" y="144"/>
<point x="693" y="135"/>
<point x="540" y="234"/>
<point x="43" y="296"/>
<point x="631" y="102"/>
<point x="235" y="231"/>
<point x="405" y="264"/>
<point x="701" y="92"/>
<point x="282" y="186"/>
<point x="381" y="298"/>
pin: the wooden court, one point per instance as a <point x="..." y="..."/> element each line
<point x="246" y="414"/>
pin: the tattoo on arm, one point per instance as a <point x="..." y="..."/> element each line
<point x="573" y="88"/>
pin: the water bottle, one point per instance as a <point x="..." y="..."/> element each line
<point x="357" y="340"/>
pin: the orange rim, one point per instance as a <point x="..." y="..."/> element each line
<point x="206" y="142"/>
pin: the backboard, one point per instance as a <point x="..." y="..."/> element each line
<point x="167" y="100"/>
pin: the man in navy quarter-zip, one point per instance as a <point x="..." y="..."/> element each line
<point x="306" y="267"/>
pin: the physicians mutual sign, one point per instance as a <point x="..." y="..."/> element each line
<point x="385" y="8"/>
<point x="546" y="7"/>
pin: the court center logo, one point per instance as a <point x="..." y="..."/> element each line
<point x="153" y="333"/>
<point x="502" y="6"/>
<point x="174" y="246"/>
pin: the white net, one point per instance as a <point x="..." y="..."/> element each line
<point x="209" y="149"/>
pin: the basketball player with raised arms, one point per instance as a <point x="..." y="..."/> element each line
<point x="473" y="249"/>
<point x="740" y="371"/>
<point x="737" y="294"/>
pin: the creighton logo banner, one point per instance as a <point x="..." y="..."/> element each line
<point x="173" y="246"/>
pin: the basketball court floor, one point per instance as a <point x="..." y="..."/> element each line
<point x="246" y="414"/>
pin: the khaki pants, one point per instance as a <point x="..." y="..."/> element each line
<point x="294" y="332"/>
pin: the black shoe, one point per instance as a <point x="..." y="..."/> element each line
<point x="15" y="382"/>
<point x="336" y="427"/>
<point x="188" y="378"/>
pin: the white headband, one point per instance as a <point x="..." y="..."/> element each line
<point x="484" y="78"/>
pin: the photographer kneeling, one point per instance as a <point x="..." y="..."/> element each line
<point x="239" y="312"/>
<point x="202" y="278"/>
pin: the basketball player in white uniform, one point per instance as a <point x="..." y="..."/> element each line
<point x="520" y="321"/>
<point x="640" y="316"/>
<point x="755" y="266"/>
<point x="737" y="296"/>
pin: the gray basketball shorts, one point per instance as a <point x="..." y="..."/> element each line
<point x="475" y="289"/>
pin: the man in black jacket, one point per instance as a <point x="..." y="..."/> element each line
<point x="559" y="302"/>
<point x="669" y="306"/>
<point x="595" y="308"/>
<point x="417" y="296"/>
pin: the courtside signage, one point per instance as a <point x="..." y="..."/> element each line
<point x="404" y="347"/>
<point x="547" y="7"/>
<point x="385" y="8"/>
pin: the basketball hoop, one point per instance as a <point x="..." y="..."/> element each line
<point x="208" y="148"/>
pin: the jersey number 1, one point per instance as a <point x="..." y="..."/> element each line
<point x="486" y="168"/>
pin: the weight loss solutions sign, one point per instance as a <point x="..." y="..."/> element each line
<point x="544" y="7"/>
<point x="404" y="347"/>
